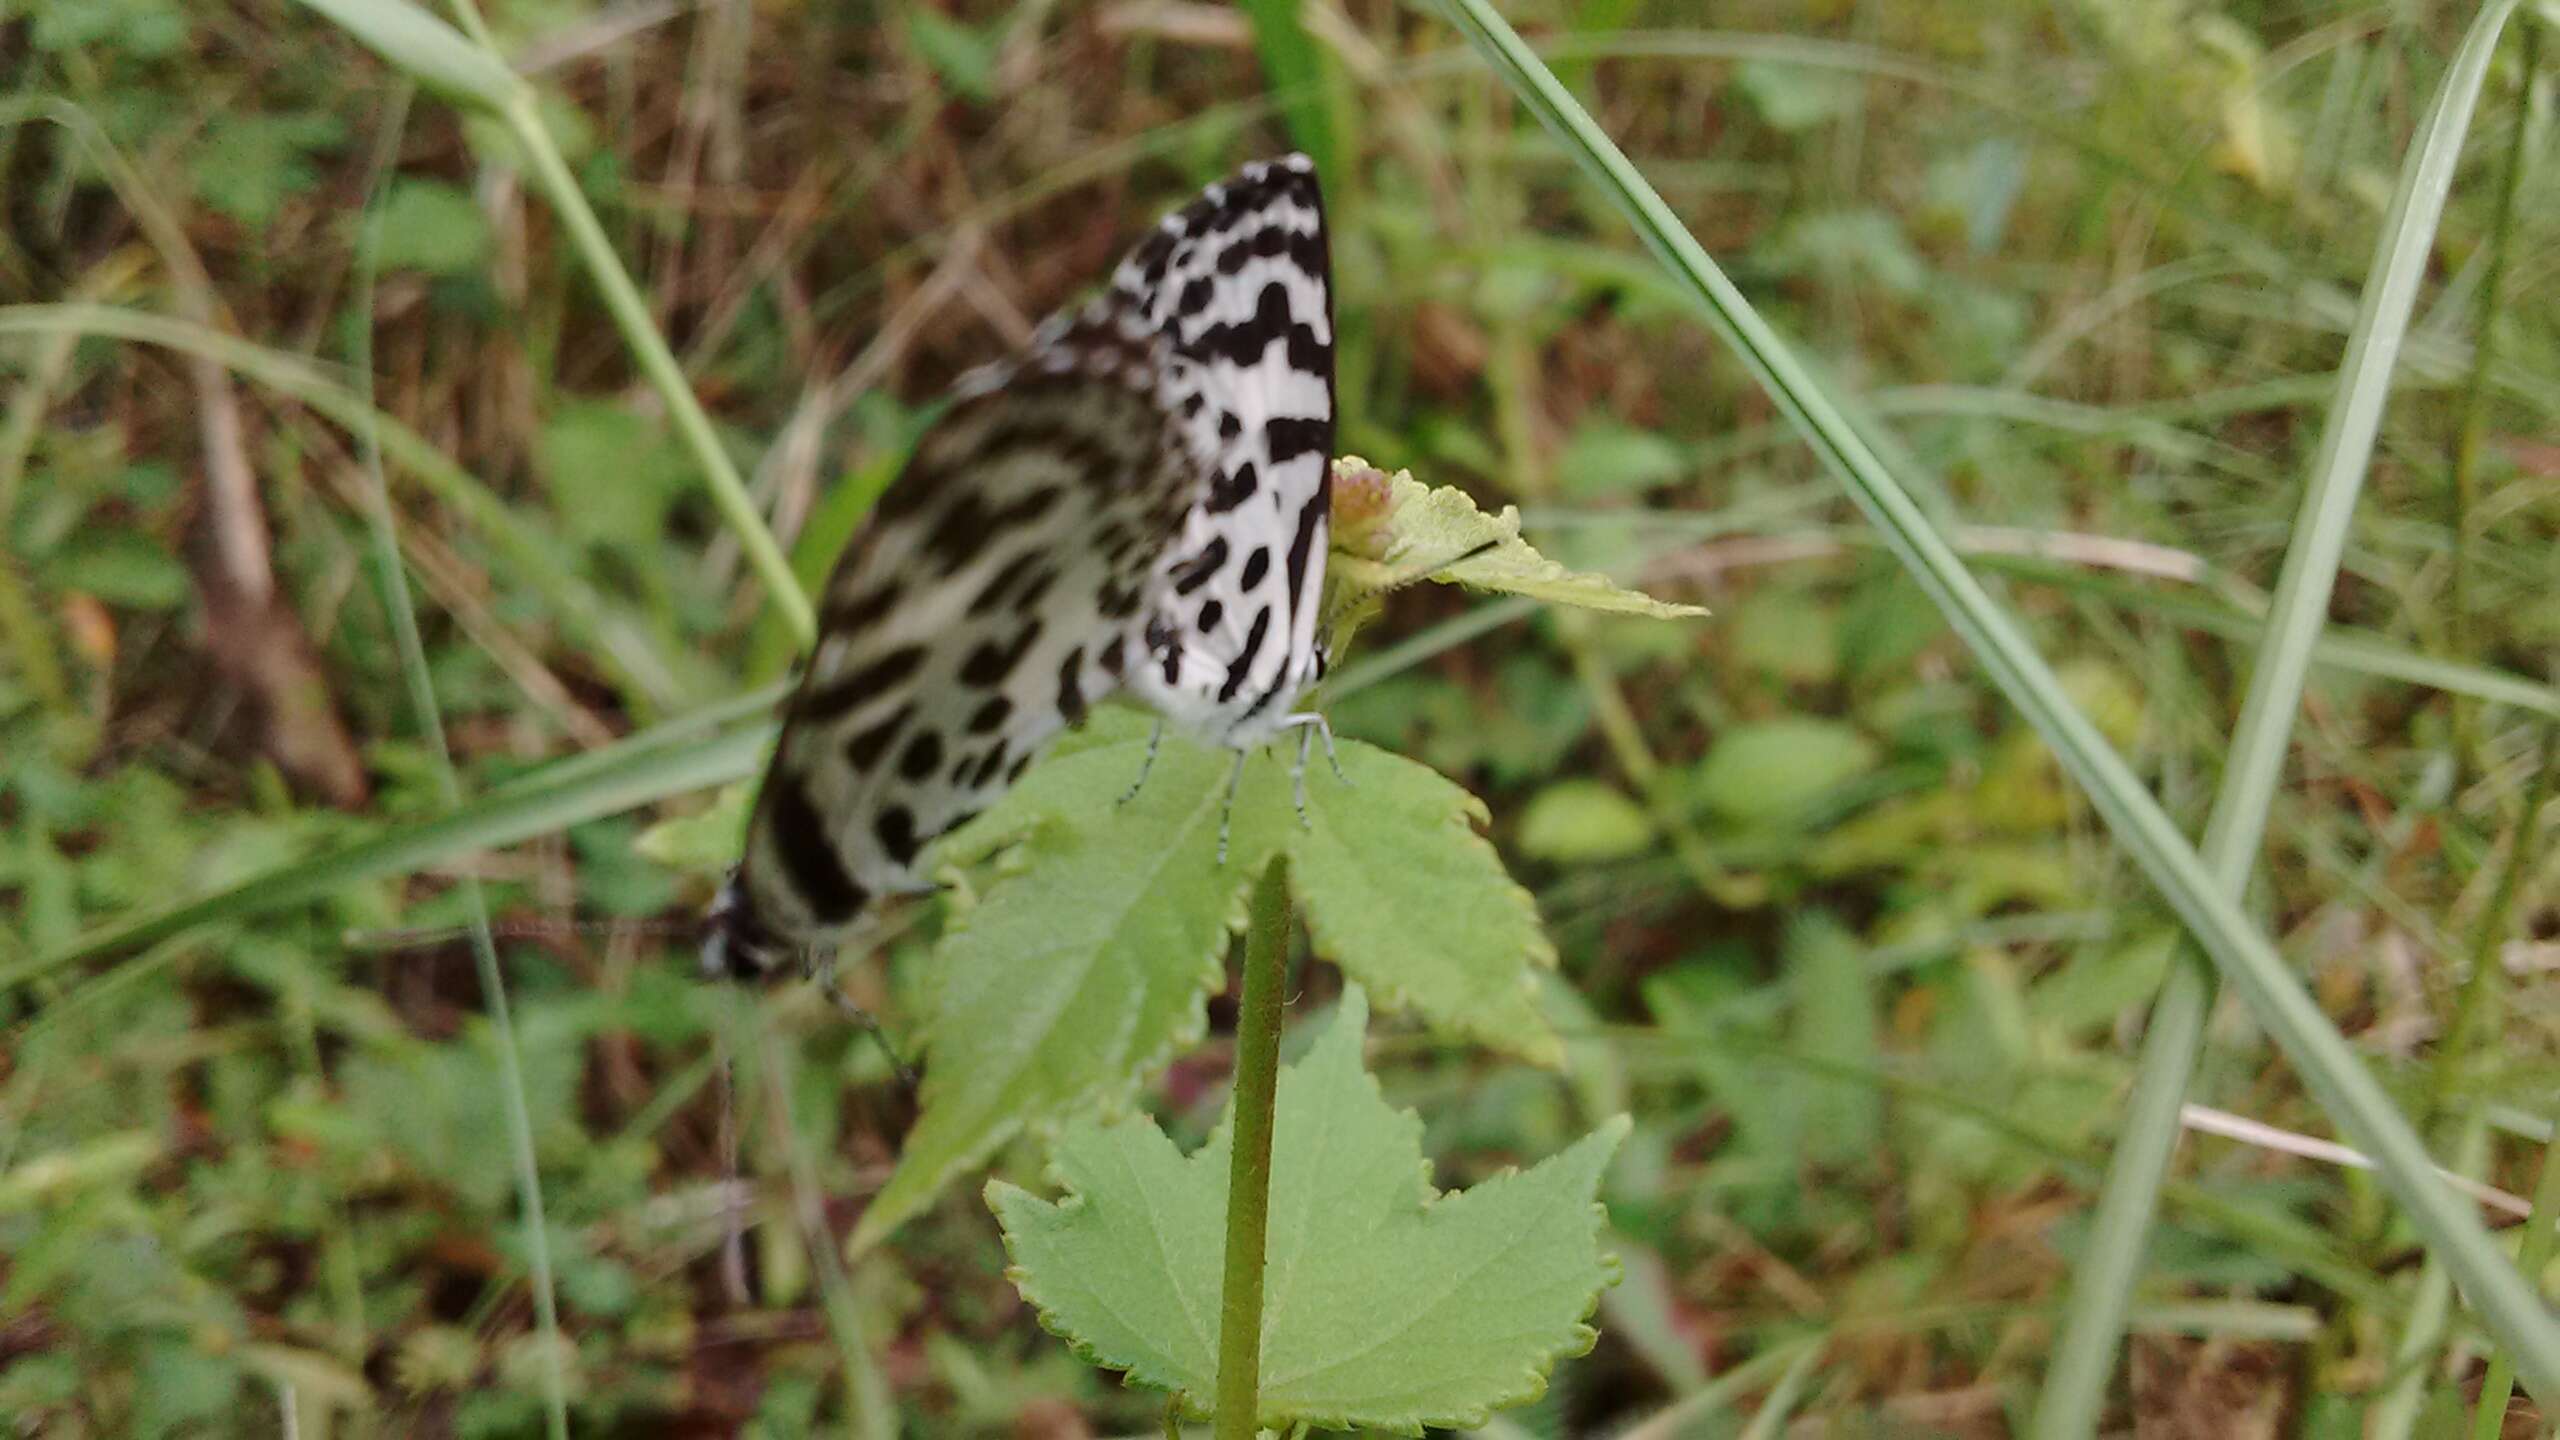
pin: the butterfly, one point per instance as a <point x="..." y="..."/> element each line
<point x="1136" y="503"/>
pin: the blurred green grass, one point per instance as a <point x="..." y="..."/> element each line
<point x="1873" y="1009"/>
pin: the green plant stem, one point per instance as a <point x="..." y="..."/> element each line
<point x="2330" y="1068"/>
<point x="631" y="313"/>
<point x="1266" y="954"/>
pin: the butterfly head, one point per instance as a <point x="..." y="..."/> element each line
<point x="736" y="943"/>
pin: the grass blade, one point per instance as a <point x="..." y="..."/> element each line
<point x="439" y="55"/>
<point x="607" y="782"/>
<point x="2329" y="1066"/>
<point x="426" y="49"/>
<point x="1295" y="71"/>
<point x="2075" y="1388"/>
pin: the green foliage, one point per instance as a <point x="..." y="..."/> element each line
<point x="1582" y="821"/>
<point x="432" y="227"/>
<point x="1081" y="962"/>
<point x="1388" y="1304"/>
<point x="2084" y="288"/>
<point x="1410" y="525"/>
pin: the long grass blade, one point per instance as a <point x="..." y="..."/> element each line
<point x="2329" y="1066"/>
<point x="2075" y="1390"/>
<point x="475" y="74"/>
<point x="607" y="782"/>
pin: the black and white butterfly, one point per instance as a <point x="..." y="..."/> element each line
<point x="1135" y="503"/>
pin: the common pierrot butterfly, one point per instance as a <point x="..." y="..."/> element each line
<point x="1136" y="502"/>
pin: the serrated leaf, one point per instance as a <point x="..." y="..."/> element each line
<point x="1085" y="964"/>
<point x="1431" y="524"/>
<point x="1385" y="1303"/>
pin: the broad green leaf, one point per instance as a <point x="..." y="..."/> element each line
<point x="1386" y="1303"/>
<point x="1084" y="965"/>
<point x="1579" y="821"/>
<point x="1386" y="536"/>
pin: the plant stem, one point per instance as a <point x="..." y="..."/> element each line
<point x="1266" y="953"/>
<point x="631" y="313"/>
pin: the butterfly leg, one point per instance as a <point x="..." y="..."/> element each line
<point x="1298" y="775"/>
<point x="822" y="970"/>
<point x="1227" y="812"/>
<point x="1155" y="738"/>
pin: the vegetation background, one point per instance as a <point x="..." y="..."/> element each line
<point x="1834" y="929"/>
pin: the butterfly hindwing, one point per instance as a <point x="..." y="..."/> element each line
<point x="967" y="622"/>
<point x="1136" y="500"/>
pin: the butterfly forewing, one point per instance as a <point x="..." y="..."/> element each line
<point x="1239" y="282"/>
<point x="1136" y="499"/>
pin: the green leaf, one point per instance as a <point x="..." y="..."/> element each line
<point x="1386" y="1303"/>
<point x="143" y="29"/>
<point x="613" y="474"/>
<point x="431" y="226"/>
<point x="1396" y="523"/>
<point x="1772" y="770"/>
<point x="706" y="842"/>
<point x="1797" y="97"/>
<point x="120" y="568"/>
<point x="1835" y="1023"/>
<point x="1608" y="458"/>
<point x="251" y="164"/>
<point x="1579" y="821"/>
<point x="964" y="58"/>
<point x="1086" y="963"/>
